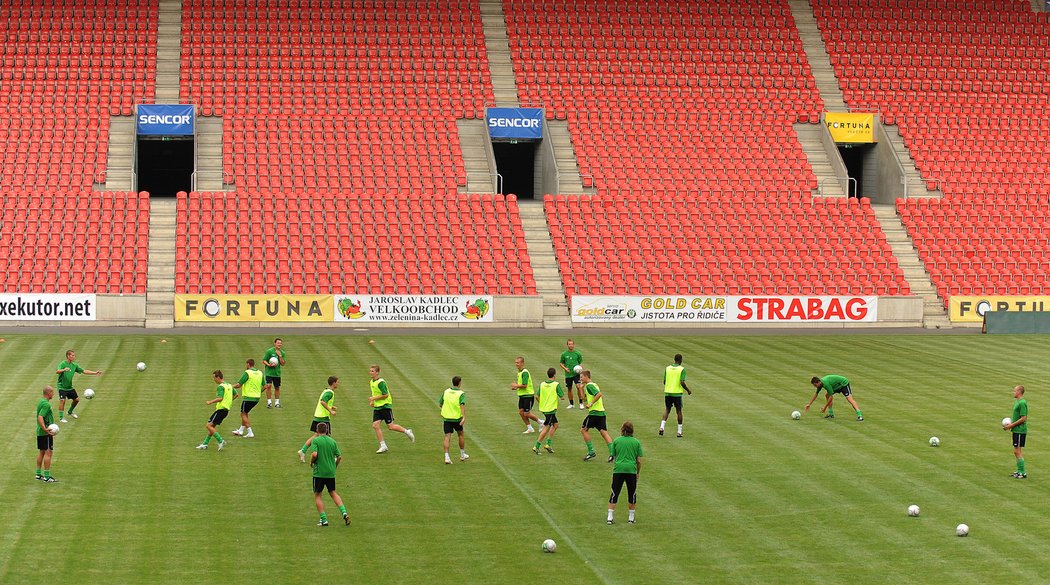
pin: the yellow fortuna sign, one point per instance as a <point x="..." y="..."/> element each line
<point x="971" y="309"/>
<point x="853" y="128"/>
<point x="272" y="308"/>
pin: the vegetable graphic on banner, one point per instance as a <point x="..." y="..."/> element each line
<point x="350" y="308"/>
<point x="477" y="310"/>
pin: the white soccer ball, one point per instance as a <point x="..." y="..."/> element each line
<point x="913" y="510"/>
<point x="54" y="428"/>
<point x="1007" y="421"/>
<point x="141" y="366"/>
<point x="935" y="442"/>
<point x="549" y="545"/>
<point x="274" y="361"/>
<point x="962" y="530"/>
<point x="576" y="369"/>
<point x="89" y="393"/>
<point x="796" y="414"/>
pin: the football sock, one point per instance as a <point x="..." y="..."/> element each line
<point x="663" y="423"/>
<point x="62" y="414"/>
<point x="241" y="429"/>
<point x="1020" y="466"/>
<point x="831" y="411"/>
<point x="590" y="446"/>
<point x="382" y="445"/>
<point x="324" y="517"/>
<point x="548" y="443"/>
<point x="343" y="510"/>
<point x="207" y="439"/>
<point x="529" y="426"/>
<point x="610" y="449"/>
<point x="71" y="408"/>
<point x="679" y="428"/>
<point x="304" y="447"/>
<point x="38" y="469"/>
<point x="462" y="452"/>
<point x="570" y="403"/>
<point x="277" y="402"/>
<point x="47" y="473"/>
<point x="269" y="402"/>
<point x="537" y="448"/>
<point x="610" y="515"/>
<point x="859" y="413"/>
<point x="218" y="437"/>
<point x="630" y="515"/>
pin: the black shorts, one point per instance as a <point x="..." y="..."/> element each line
<point x="845" y="391"/>
<point x="218" y="416"/>
<point x="321" y="483"/>
<point x="384" y="414"/>
<point x="70" y="394"/>
<point x="570" y="380"/>
<point x="550" y="418"/>
<point x="631" y="479"/>
<point x="248" y="405"/>
<point x="525" y="403"/>
<point x="274" y="381"/>
<point x="594" y="422"/>
<point x="313" y="425"/>
<point x="673" y="401"/>
<point x="1019" y="439"/>
<point x="45" y="442"/>
<point x="453" y="427"/>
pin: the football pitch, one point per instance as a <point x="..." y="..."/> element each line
<point x="746" y="496"/>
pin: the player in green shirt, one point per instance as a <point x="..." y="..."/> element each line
<point x="250" y="385"/>
<point x="273" y="372"/>
<point x="595" y="418"/>
<point x="453" y="403"/>
<point x="674" y="385"/>
<point x="833" y="384"/>
<point x="65" y="372"/>
<point x="324" y="458"/>
<point x="627" y="466"/>
<point x="1019" y="426"/>
<point x="223" y="401"/>
<point x="45" y="443"/>
<point x="548" y="395"/>
<point x="323" y="413"/>
<point x="526" y="395"/>
<point x="570" y="358"/>
<point x="383" y="409"/>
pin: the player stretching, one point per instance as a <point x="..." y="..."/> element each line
<point x="45" y="439"/>
<point x="324" y="458"/>
<point x="833" y="384"/>
<point x="383" y="409"/>
<point x="453" y="403"/>
<point x="526" y="395"/>
<point x="549" y="394"/>
<point x="595" y="418"/>
<point x="323" y="413"/>
<point x="223" y="401"/>
<point x="627" y="466"/>
<point x="273" y="372"/>
<point x="1019" y="426"/>
<point x="674" y="384"/>
<point x="65" y="373"/>
<point x="570" y="358"/>
<point x="250" y="385"/>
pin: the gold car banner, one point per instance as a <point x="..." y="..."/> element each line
<point x="851" y="128"/>
<point x="971" y="309"/>
<point x="254" y="308"/>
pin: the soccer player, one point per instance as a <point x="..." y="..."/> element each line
<point x="323" y="413"/>
<point x="526" y="395"/>
<point x="674" y="384"/>
<point x="627" y="466"/>
<point x="383" y="409"/>
<point x="833" y="384"/>
<point x="1019" y="426"/>
<point x="453" y="403"/>
<point x="595" y="418"/>
<point x="65" y="372"/>
<point x="45" y="439"/>
<point x="250" y="385"/>
<point x="223" y="401"/>
<point x="273" y="373"/>
<point x="324" y="458"/>
<point x="549" y="394"/>
<point x="570" y="358"/>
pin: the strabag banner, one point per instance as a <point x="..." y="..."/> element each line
<point x="413" y="308"/>
<point x="723" y="309"/>
<point x="47" y="307"/>
<point x="515" y="123"/>
<point x="851" y="128"/>
<point x="255" y="308"/>
<point x="971" y="309"/>
<point x="161" y="120"/>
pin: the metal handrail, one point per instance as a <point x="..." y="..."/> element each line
<point x="497" y="183"/>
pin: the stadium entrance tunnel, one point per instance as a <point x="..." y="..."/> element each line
<point x="516" y="162"/>
<point x="861" y="166"/>
<point x="164" y="165"/>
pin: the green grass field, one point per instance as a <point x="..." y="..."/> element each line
<point x="748" y="496"/>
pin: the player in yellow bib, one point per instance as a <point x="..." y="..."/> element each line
<point x="383" y="409"/>
<point x="595" y="419"/>
<point x="453" y="403"/>
<point x="526" y="395"/>
<point x="250" y="385"/>
<point x="323" y="413"/>
<point x="549" y="394"/>
<point x="223" y="401"/>
<point x="674" y="385"/>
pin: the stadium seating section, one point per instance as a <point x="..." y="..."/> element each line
<point x="72" y="242"/>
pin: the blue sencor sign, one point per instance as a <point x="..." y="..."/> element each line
<point x="515" y="123"/>
<point x="158" y="120"/>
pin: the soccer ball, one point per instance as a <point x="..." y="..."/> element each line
<point x="89" y="393"/>
<point x="796" y="414"/>
<point x="935" y="442"/>
<point x="141" y="366"/>
<point x="913" y="510"/>
<point x="549" y="545"/>
<point x="1007" y="421"/>
<point x="274" y="361"/>
<point x="962" y="530"/>
<point x="54" y="428"/>
<point x="577" y="369"/>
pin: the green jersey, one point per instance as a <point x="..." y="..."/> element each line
<point x="272" y="371"/>
<point x="327" y="450"/>
<point x="626" y="451"/>
<point x="571" y="359"/>
<point x="550" y="392"/>
<point x="833" y="383"/>
<point x="598" y="407"/>
<point x="65" y="379"/>
<point x="1020" y="409"/>
<point x="43" y="408"/>
<point x="251" y="385"/>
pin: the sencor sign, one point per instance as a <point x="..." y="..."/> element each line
<point x="165" y="120"/>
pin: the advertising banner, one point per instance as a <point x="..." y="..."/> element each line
<point x="851" y="128"/>
<point x="722" y="309"/>
<point x="47" y="307"/>
<point x="971" y="309"/>
<point x="515" y="123"/>
<point x="413" y="308"/>
<point x="254" y="308"/>
<point x="161" y="120"/>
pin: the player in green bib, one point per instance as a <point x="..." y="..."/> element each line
<point x="1019" y="426"/>
<point x="526" y="395"/>
<point x="250" y="385"/>
<point x="627" y="466"/>
<point x="674" y="385"/>
<point x="273" y="372"/>
<point x="453" y="404"/>
<point x="595" y="418"/>
<point x="223" y="401"/>
<point x="833" y="384"/>
<point x="45" y="439"/>
<point x="548" y="395"/>
<point x="324" y="459"/>
<point x="383" y="409"/>
<point x="323" y="413"/>
<point x="570" y="358"/>
<point x="65" y="372"/>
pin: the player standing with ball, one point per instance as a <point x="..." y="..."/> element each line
<point x="627" y="466"/>
<point x="45" y="437"/>
<point x="65" y="372"/>
<point x="273" y="372"/>
<point x="1019" y="426"/>
<point x="570" y="358"/>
